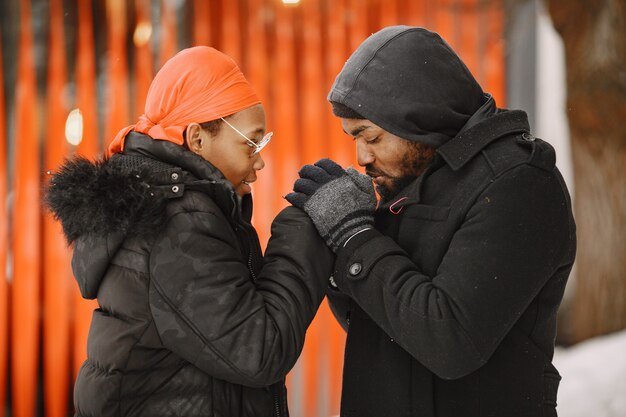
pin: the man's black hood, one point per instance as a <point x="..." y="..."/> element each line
<point x="408" y="81"/>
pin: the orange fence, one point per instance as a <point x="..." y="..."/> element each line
<point x="103" y="67"/>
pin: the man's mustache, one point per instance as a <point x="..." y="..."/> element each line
<point x="372" y="172"/>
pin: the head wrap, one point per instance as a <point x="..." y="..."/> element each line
<point x="408" y="81"/>
<point x="198" y="84"/>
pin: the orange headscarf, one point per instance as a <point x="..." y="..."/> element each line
<point x="198" y="84"/>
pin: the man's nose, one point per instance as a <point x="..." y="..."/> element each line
<point x="363" y="155"/>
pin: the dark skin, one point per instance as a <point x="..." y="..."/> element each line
<point x="391" y="161"/>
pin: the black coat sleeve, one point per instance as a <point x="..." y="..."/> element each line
<point x="209" y="311"/>
<point x="512" y="240"/>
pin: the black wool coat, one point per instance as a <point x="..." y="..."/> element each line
<point x="450" y="303"/>
<point x="192" y="320"/>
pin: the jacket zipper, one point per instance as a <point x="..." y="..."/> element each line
<point x="277" y="405"/>
<point x="250" y="266"/>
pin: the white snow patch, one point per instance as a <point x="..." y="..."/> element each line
<point x="594" y="377"/>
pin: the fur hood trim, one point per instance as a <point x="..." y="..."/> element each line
<point x="102" y="197"/>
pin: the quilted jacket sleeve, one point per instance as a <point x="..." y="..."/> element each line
<point x="208" y="310"/>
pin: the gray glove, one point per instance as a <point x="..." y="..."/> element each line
<point x="341" y="202"/>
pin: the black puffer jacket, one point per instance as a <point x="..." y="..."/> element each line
<point x="192" y="320"/>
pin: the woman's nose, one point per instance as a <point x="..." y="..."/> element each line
<point x="259" y="163"/>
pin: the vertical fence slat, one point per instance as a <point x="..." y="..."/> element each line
<point x="443" y="20"/>
<point x="57" y="278"/>
<point x="286" y="147"/>
<point x="357" y="23"/>
<point x="468" y="29"/>
<point x="285" y="106"/>
<point x="116" y="102"/>
<point x="314" y="146"/>
<point x="341" y="150"/>
<point x="202" y="22"/>
<point x="89" y="148"/>
<point x="168" y="31"/>
<point x="257" y="74"/>
<point x="389" y="13"/>
<point x="4" y="239"/>
<point x="493" y="59"/>
<point x="416" y="13"/>
<point x="143" y="55"/>
<point x="231" y="39"/>
<point x="26" y="297"/>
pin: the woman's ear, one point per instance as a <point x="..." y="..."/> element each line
<point x="193" y="138"/>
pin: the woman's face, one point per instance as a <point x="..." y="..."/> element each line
<point x="230" y="152"/>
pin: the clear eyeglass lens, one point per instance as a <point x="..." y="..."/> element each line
<point x="259" y="146"/>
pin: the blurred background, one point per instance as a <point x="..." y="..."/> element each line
<point x="74" y="72"/>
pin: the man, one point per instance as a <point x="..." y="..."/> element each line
<point x="449" y="285"/>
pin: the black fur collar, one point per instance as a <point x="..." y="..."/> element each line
<point x="102" y="197"/>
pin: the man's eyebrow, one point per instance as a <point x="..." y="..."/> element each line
<point x="354" y="132"/>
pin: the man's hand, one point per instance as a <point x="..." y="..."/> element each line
<point x="340" y="202"/>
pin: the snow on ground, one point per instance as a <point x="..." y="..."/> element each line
<point x="594" y="377"/>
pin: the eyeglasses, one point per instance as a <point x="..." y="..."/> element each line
<point x="257" y="146"/>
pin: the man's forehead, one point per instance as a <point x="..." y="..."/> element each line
<point x="355" y="126"/>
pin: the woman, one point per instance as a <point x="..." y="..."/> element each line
<point x="192" y="319"/>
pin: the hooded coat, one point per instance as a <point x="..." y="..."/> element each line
<point x="450" y="302"/>
<point x="192" y="320"/>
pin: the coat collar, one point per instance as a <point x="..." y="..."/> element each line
<point x="459" y="150"/>
<point x="170" y="153"/>
<point x="480" y="131"/>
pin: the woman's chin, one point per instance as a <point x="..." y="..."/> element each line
<point x="243" y="189"/>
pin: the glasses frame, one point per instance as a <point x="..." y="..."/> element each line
<point x="257" y="146"/>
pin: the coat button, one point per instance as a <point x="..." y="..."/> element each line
<point x="355" y="269"/>
<point x="174" y="176"/>
<point x="528" y="137"/>
<point x="175" y="189"/>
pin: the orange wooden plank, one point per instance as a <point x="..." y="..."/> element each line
<point x="342" y="151"/>
<point x="89" y="147"/>
<point x="443" y="20"/>
<point x="493" y="60"/>
<point x="469" y="31"/>
<point x="202" y="23"/>
<point x="258" y="75"/>
<point x="143" y="55"/>
<point x="85" y="68"/>
<point x="168" y="31"/>
<point x="57" y="276"/>
<point x="231" y="31"/>
<point x="416" y="13"/>
<point x="117" y="103"/>
<point x="341" y="148"/>
<point x="4" y="239"/>
<point x="285" y="142"/>
<point x="26" y="219"/>
<point x="389" y="13"/>
<point x="357" y="23"/>
<point x="314" y="145"/>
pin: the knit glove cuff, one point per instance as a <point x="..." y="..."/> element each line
<point x="342" y="207"/>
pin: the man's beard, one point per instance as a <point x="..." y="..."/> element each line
<point x="412" y="166"/>
<point x="397" y="185"/>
